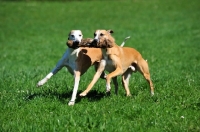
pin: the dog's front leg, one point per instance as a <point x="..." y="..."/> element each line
<point x="95" y="78"/>
<point x="118" y="71"/>
<point x="59" y="66"/>
<point x="77" y="75"/>
<point x="115" y="73"/>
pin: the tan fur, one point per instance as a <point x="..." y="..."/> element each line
<point x="117" y="61"/>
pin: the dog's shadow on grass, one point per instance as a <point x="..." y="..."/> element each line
<point x="92" y="96"/>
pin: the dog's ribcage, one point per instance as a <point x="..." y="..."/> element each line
<point x="69" y="59"/>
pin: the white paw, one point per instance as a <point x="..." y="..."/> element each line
<point x="105" y="75"/>
<point x="152" y="93"/>
<point x="71" y="103"/>
<point x="107" y="91"/>
<point x="108" y="88"/>
<point x="82" y="94"/>
<point x="43" y="81"/>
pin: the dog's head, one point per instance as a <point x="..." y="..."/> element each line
<point x="103" y="39"/>
<point x="74" y="38"/>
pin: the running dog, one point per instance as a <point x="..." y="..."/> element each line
<point x="117" y="61"/>
<point x="77" y="60"/>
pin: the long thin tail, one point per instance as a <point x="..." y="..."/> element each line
<point x="124" y="41"/>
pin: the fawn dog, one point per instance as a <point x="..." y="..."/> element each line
<point x="117" y="61"/>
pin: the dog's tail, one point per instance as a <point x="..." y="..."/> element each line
<point x="124" y="41"/>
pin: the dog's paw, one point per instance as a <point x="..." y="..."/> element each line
<point x="82" y="94"/>
<point x="71" y="103"/>
<point x="128" y="95"/>
<point x="42" y="82"/>
<point x="39" y="84"/>
<point x="108" y="88"/>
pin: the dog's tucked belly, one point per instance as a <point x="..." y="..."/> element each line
<point x="110" y="67"/>
<point x="70" y="70"/>
<point x="70" y="60"/>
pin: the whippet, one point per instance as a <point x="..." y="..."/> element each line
<point x="118" y="61"/>
<point x="77" y="60"/>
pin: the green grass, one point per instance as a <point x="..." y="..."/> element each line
<point x="32" y="40"/>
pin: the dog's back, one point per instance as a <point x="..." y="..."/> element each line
<point x="128" y="56"/>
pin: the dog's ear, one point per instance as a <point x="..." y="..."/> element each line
<point x="69" y="35"/>
<point x="110" y="31"/>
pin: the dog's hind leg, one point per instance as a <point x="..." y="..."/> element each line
<point x="125" y="80"/>
<point x="59" y="66"/>
<point x="44" y="80"/>
<point x="144" y="70"/>
<point x="77" y="75"/>
<point x="116" y="85"/>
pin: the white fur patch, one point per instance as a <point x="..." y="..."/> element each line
<point x="97" y="34"/>
<point x="76" y="35"/>
<point x="132" y="68"/>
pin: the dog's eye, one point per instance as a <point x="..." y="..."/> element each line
<point x="72" y="36"/>
<point x="80" y="35"/>
<point x="101" y="34"/>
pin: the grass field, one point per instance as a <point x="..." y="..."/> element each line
<point x="32" y="40"/>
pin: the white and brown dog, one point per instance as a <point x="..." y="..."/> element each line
<point x="118" y="61"/>
<point x="77" y="60"/>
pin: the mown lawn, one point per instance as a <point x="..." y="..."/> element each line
<point x="32" y="40"/>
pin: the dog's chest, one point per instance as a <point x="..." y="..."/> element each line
<point x="70" y="57"/>
<point x="110" y="66"/>
<point x="105" y="54"/>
